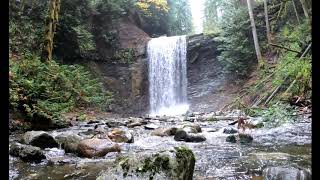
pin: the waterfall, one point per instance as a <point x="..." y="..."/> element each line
<point x="168" y="75"/>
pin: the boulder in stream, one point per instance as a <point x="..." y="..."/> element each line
<point x="69" y="142"/>
<point x="182" y="135"/>
<point x="231" y="138"/>
<point x="151" y="126"/>
<point x="164" y="131"/>
<point x="120" y="136"/>
<point x="192" y="128"/>
<point x="175" y="164"/>
<point x="242" y="138"/>
<point x="245" y="138"/>
<point x="286" y="173"/>
<point x="97" y="147"/>
<point x="112" y="124"/>
<point x="40" y="139"/>
<point x="195" y="138"/>
<point x="27" y="153"/>
<point x="230" y="130"/>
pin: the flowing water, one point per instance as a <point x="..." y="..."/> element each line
<point x="287" y="145"/>
<point x="168" y="75"/>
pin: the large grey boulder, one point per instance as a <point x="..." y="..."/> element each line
<point x="182" y="135"/>
<point x="286" y="173"/>
<point x="192" y="128"/>
<point x="175" y="164"/>
<point x="245" y="138"/>
<point x="97" y="147"/>
<point x="69" y="142"/>
<point x="40" y="139"/>
<point x="27" y="153"/>
<point x="195" y="138"/>
<point x="230" y="130"/>
<point x="164" y="131"/>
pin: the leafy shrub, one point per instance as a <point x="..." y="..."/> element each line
<point x="124" y="56"/>
<point x="26" y="26"/>
<point x="293" y="72"/>
<point x="48" y="89"/>
<point x="275" y="115"/>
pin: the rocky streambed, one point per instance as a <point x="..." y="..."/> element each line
<point x="90" y="150"/>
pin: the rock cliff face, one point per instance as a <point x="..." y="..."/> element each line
<point x="206" y="80"/>
<point x="129" y="82"/>
<point x="131" y="37"/>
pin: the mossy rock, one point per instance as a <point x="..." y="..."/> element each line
<point x="175" y="164"/>
<point x="245" y="138"/>
<point x="231" y="138"/>
<point x="211" y="119"/>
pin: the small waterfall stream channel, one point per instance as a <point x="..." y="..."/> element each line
<point x="282" y="152"/>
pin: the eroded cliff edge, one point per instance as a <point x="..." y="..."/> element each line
<point x="208" y="88"/>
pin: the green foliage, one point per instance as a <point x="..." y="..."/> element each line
<point x="180" y="19"/>
<point x="85" y="39"/>
<point x="124" y="56"/>
<point x="275" y="115"/>
<point x="26" y="31"/>
<point x="74" y="38"/>
<point x="155" y="15"/>
<point x="170" y="17"/>
<point x="154" y="165"/>
<point x="293" y="71"/>
<point x="212" y="119"/>
<point x="235" y="42"/>
<point x="50" y="89"/>
<point x="113" y="9"/>
<point x="211" y="19"/>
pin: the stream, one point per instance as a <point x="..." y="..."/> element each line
<point x="286" y="145"/>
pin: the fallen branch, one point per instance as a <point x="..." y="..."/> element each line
<point x="256" y="103"/>
<point x="239" y="97"/>
<point x="234" y="101"/>
<point x="272" y="95"/>
<point x="306" y="51"/>
<point x="279" y="11"/>
<point x="226" y="117"/>
<point x="236" y="121"/>
<point x="296" y="12"/>
<point x="265" y="79"/>
<point x="279" y="46"/>
<point x="274" y="6"/>
<point x="291" y="85"/>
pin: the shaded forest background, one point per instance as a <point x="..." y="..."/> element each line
<point x="42" y="88"/>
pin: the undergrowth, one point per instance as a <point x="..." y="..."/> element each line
<point x="47" y="89"/>
<point x="292" y="74"/>
<point x="275" y="115"/>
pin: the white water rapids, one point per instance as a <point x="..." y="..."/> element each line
<point x="167" y="58"/>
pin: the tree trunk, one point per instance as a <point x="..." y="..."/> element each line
<point x="254" y="34"/>
<point x="304" y="7"/>
<point x="215" y="12"/>
<point x="267" y="20"/>
<point x="51" y="24"/>
<point x="295" y="10"/>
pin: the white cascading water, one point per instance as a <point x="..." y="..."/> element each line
<point x="168" y="75"/>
